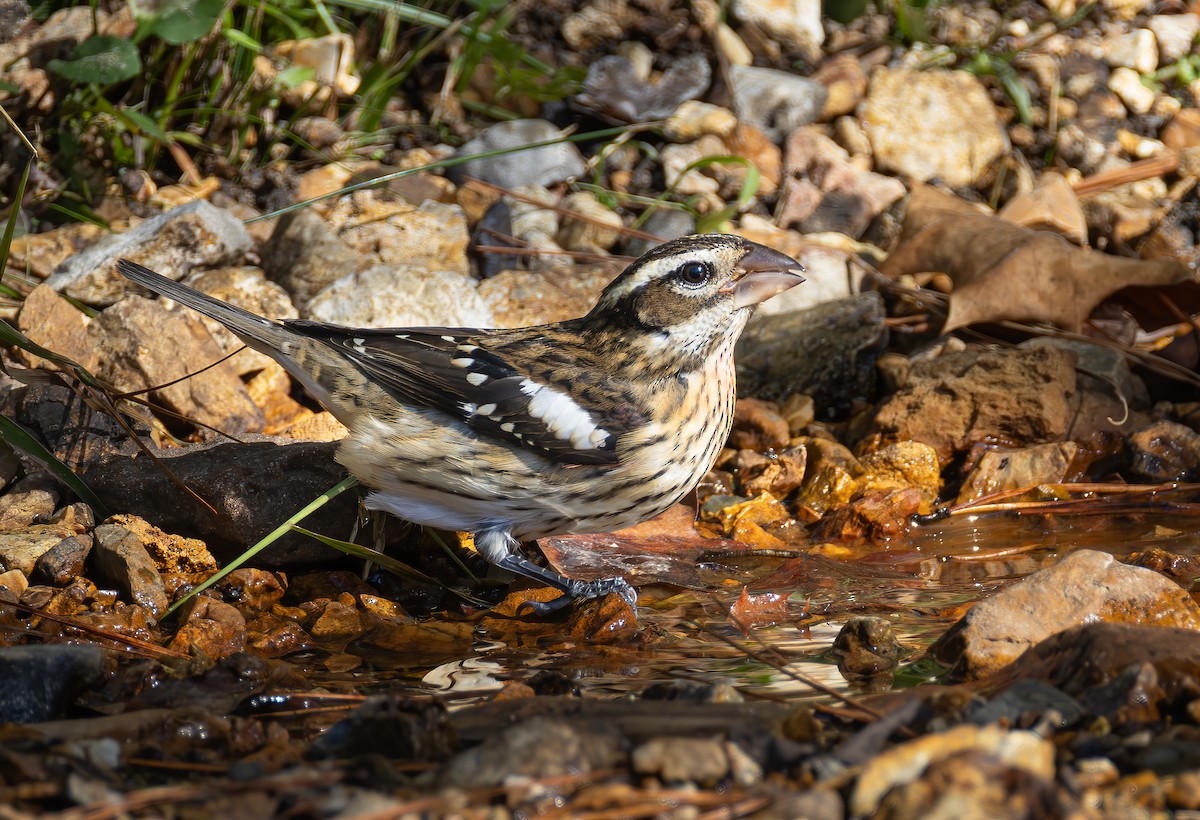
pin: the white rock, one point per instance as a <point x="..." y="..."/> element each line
<point x="796" y="22"/>
<point x="1127" y="84"/>
<point x="1137" y="49"/>
<point x="401" y="297"/>
<point x="732" y="47"/>
<point x="1175" y="34"/>
<point x="932" y="124"/>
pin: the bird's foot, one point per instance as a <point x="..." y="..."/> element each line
<point x="573" y="590"/>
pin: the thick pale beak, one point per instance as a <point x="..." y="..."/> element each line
<point x="761" y="274"/>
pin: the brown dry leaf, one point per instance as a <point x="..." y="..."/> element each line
<point x="1004" y="271"/>
<point x="764" y="609"/>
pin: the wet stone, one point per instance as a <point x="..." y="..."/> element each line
<point x="1164" y="451"/>
<point x="212" y="629"/>
<point x="41" y="682"/>
<point x="120" y="558"/>
<point x="64" y="562"/>
<point x="867" y="650"/>
<point x="1085" y="586"/>
<point x="391" y="726"/>
<point x="757" y="425"/>
<point x="1000" y="470"/>
<point x="338" y="622"/>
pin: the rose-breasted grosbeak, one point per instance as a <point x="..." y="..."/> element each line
<point x="583" y="426"/>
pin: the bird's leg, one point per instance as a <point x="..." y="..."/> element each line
<point x="499" y="547"/>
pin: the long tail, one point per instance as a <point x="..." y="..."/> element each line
<point x="264" y="335"/>
<point x="314" y="364"/>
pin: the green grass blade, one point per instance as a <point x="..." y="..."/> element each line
<point x="270" y="538"/>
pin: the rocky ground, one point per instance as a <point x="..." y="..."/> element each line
<point x="958" y="473"/>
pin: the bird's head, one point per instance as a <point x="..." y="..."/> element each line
<point x="691" y="293"/>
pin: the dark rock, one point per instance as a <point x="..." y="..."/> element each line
<point x="121" y="559"/>
<point x="14" y="14"/>
<point x="1084" y="586"/>
<point x="41" y="681"/>
<point x="1024" y="701"/>
<point x="827" y="352"/>
<point x="867" y="650"/>
<point x="252" y="487"/>
<point x="388" y="725"/>
<point x="1164" y="451"/>
<point x="62" y="563"/>
<point x="73" y="431"/>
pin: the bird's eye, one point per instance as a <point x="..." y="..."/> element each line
<point x="694" y="273"/>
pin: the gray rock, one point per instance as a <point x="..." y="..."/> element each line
<point x="540" y="166"/>
<point x="539" y="747"/>
<point x="385" y="296"/>
<point x="827" y="352"/>
<point x="252" y="486"/>
<point x="193" y="235"/>
<point x="1164" y="451"/>
<point x="615" y="90"/>
<point x="120" y="558"/>
<point x="776" y="101"/>
<point x="304" y="255"/>
<point x="32" y="500"/>
<point x="41" y="681"/>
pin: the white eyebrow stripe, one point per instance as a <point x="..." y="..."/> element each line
<point x="562" y="416"/>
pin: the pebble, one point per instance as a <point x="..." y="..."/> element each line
<point x="795" y="23"/>
<point x="682" y="760"/>
<point x="693" y="119"/>
<point x="540" y="166"/>
<point x="777" y="102"/>
<point x="1137" y="49"/>
<point x="119" y="557"/>
<point x="1127" y="84"/>
<point x="1164" y="451"/>
<point x="1008" y="469"/>
<point x="1174" y="33"/>
<point x="304" y="255"/>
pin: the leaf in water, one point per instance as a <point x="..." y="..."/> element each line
<point x="102" y="60"/>
<point x="176" y="21"/>
<point x="1003" y="271"/>
<point x="764" y="609"/>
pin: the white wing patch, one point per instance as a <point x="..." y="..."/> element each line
<point x="562" y="416"/>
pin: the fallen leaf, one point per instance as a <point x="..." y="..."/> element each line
<point x="764" y="609"/>
<point x="1003" y="271"/>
